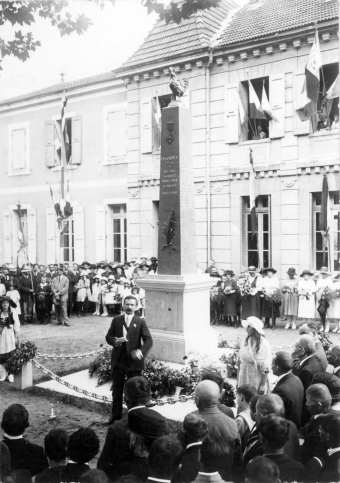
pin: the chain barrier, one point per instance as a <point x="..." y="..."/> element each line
<point x="68" y="356"/>
<point x="152" y="403"/>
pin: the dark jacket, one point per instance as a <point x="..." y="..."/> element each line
<point x="70" y="275"/>
<point x="57" y="474"/>
<point x="305" y="372"/>
<point x="26" y="456"/>
<point x="291" y="390"/>
<point x="137" y="332"/>
<point x="226" y="429"/>
<point x="25" y="288"/>
<point x="290" y="470"/>
<point x="36" y="279"/>
<point x="116" y="449"/>
<point x="190" y="465"/>
<point x="73" y="471"/>
<point x="312" y="443"/>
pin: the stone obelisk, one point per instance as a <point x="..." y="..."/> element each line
<point x="177" y="297"/>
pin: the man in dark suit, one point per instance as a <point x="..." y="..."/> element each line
<point x="214" y="452"/>
<point x="304" y="351"/>
<point x="288" y="386"/>
<point x="131" y="341"/>
<point x="70" y="275"/>
<point x="24" y="455"/>
<point x="274" y="434"/>
<point x="207" y="395"/>
<point x="164" y="459"/>
<point x="59" y="289"/>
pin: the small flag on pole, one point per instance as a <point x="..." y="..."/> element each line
<point x="255" y="109"/>
<point x="241" y="110"/>
<point x="266" y="106"/>
<point x="68" y="210"/>
<point x="253" y="195"/>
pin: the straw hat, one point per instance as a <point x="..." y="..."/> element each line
<point x="255" y="323"/>
<point x="324" y="270"/>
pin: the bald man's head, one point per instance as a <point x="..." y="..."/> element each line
<point x="207" y="394"/>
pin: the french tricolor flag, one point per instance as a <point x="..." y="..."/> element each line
<point x="255" y="109"/>
<point x="312" y="71"/>
<point x="266" y="107"/>
<point x="253" y="195"/>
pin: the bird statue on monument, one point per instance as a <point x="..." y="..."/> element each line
<point x="178" y="87"/>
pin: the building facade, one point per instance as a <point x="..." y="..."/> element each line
<point x="114" y="124"/>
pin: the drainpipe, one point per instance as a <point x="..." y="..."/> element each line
<point x="207" y="134"/>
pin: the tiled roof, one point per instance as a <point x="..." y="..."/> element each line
<point x="63" y="86"/>
<point x="266" y="17"/>
<point x="172" y="40"/>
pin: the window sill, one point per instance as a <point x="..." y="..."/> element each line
<point x="19" y="173"/>
<point x="114" y="161"/>
<point x="259" y="141"/>
<point x="326" y="132"/>
<point x="68" y="167"/>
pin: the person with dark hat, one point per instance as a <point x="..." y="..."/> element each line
<point x="9" y="334"/>
<point x="131" y="341"/>
<point x="230" y="298"/>
<point x="108" y="271"/>
<point x="59" y="287"/>
<point x="26" y="294"/>
<point x="43" y="301"/>
<point x="306" y="293"/>
<point x="24" y="454"/>
<point x="290" y="299"/>
<point x="251" y="302"/>
<point x="270" y="304"/>
<point x="333" y="384"/>
<point x="153" y="267"/>
<point x="70" y="275"/>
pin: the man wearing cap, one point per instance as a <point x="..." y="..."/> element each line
<point x="59" y="287"/>
<point x="251" y="303"/>
<point x="131" y="341"/>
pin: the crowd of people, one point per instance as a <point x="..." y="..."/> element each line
<point x="308" y="296"/>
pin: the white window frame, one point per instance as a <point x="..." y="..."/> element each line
<point x="11" y="128"/>
<point x="121" y="216"/>
<point x="67" y="115"/>
<point x="119" y="106"/>
<point x="70" y="248"/>
<point x="260" y="211"/>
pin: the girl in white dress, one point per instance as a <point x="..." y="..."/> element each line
<point x="96" y="293"/>
<point x="15" y="296"/>
<point x="324" y="281"/>
<point x="102" y="297"/>
<point x="110" y="297"/>
<point x="306" y="291"/>
<point x="290" y="298"/>
<point x="9" y="334"/>
<point x="83" y="290"/>
<point x="335" y="306"/>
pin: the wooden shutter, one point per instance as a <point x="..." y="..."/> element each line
<point x="49" y="143"/>
<point x="7" y="223"/>
<point x="50" y="236"/>
<point x="277" y="104"/>
<point x="300" y="127"/>
<point x="146" y="126"/>
<point x="18" y="149"/>
<point x="32" y="234"/>
<point x="244" y="99"/>
<point x="79" y="233"/>
<point x="100" y="232"/>
<point x="231" y="114"/>
<point x="76" y="140"/>
<point x="117" y="133"/>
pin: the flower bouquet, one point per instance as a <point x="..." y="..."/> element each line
<point x="243" y="286"/>
<point x="231" y="363"/>
<point x="288" y="289"/>
<point x="273" y="295"/>
<point x="305" y="293"/>
<point x="102" y="366"/>
<point x="21" y="356"/>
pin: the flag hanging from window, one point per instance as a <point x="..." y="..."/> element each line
<point x="22" y="243"/>
<point x="68" y="210"/>
<point x="255" y="109"/>
<point x="253" y="195"/>
<point x="63" y="125"/>
<point x="312" y="70"/>
<point x="334" y="91"/>
<point x="266" y="106"/>
<point x="324" y="218"/>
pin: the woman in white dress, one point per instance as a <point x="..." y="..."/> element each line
<point x="335" y="305"/>
<point x="9" y="334"/>
<point x="83" y="291"/>
<point x="96" y="293"/>
<point x="324" y="281"/>
<point x="270" y="309"/>
<point x="306" y="292"/>
<point x="110" y="297"/>
<point x="254" y="358"/>
<point x="290" y="298"/>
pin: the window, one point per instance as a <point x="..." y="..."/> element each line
<point x="254" y="129"/>
<point x="73" y="142"/>
<point x="115" y="133"/>
<point x="327" y="108"/>
<point x="18" y="149"/>
<point x="67" y="241"/>
<point x="119" y="232"/>
<point x="158" y="104"/>
<point x="331" y="249"/>
<point x="256" y="250"/>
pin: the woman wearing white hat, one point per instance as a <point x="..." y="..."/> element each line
<point x="324" y="281"/>
<point x="83" y="289"/>
<point x="254" y="358"/>
<point x="96" y="293"/>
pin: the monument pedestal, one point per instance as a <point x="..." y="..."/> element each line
<point x="178" y="315"/>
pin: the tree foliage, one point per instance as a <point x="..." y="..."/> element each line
<point x="25" y="12"/>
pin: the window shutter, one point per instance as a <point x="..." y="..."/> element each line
<point x="76" y="140"/>
<point x="277" y="104"/>
<point x="51" y="236"/>
<point x="300" y="127"/>
<point x="244" y="235"/>
<point x="231" y="114"/>
<point x="244" y="99"/>
<point x="117" y="133"/>
<point x="32" y="234"/>
<point x="270" y="230"/>
<point x="18" y="149"/>
<point x="7" y="218"/>
<point x="156" y="124"/>
<point x="146" y="125"/>
<point x="49" y="143"/>
<point x="79" y="233"/>
<point x="100" y="232"/>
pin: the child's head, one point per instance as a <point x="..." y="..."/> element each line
<point x="135" y="290"/>
<point x="83" y="445"/>
<point x="15" y="420"/>
<point x="55" y="445"/>
<point x="244" y="395"/>
<point x="11" y="286"/>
